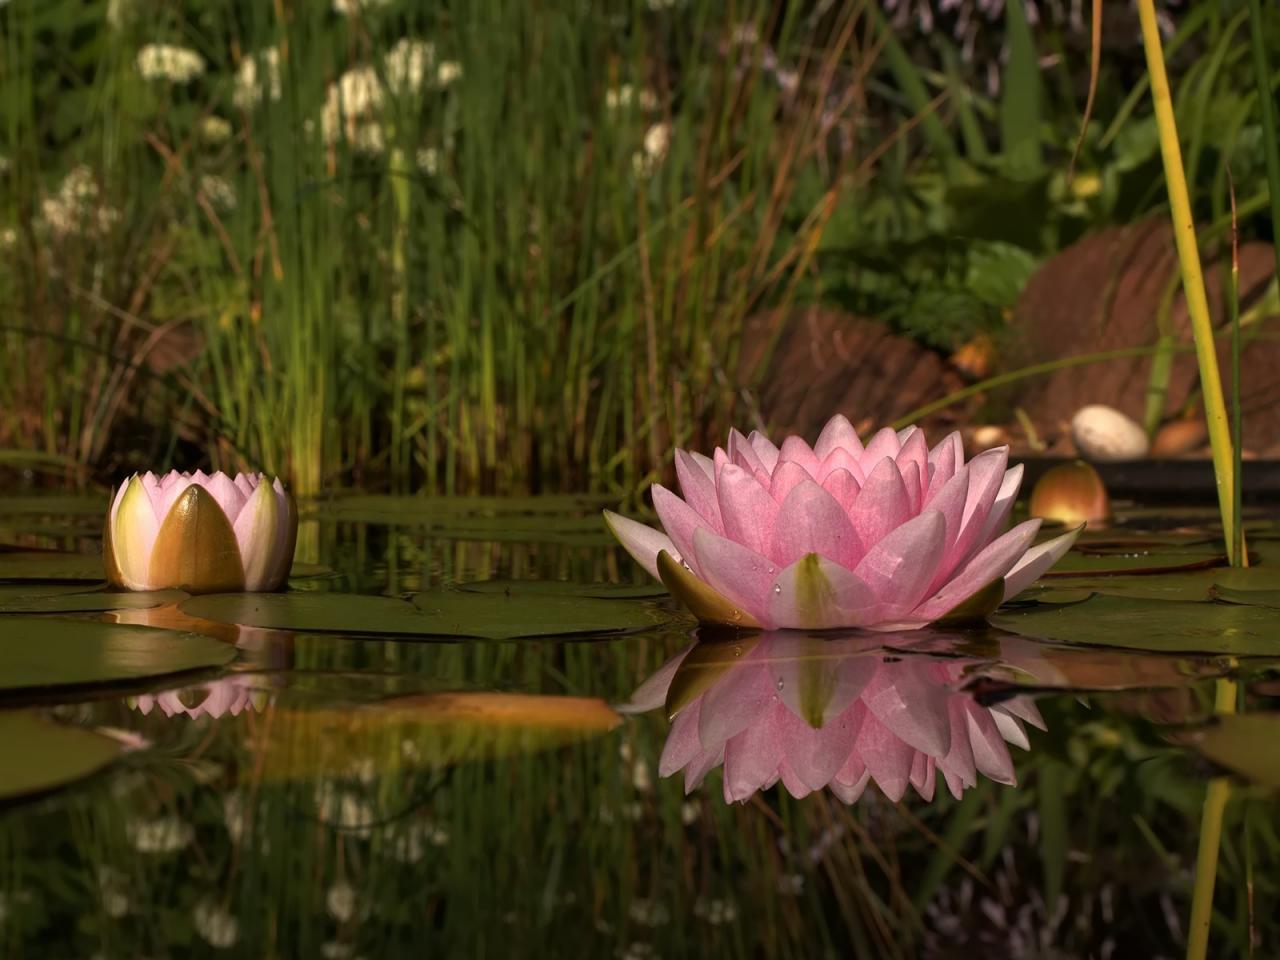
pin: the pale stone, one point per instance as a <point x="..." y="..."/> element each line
<point x="1104" y="433"/>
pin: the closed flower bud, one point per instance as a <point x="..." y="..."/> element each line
<point x="200" y="533"/>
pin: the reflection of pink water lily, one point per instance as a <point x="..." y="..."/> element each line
<point x="199" y="532"/>
<point x="229" y="695"/>
<point x="891" y="535"/>
<point x="815" y="713"/>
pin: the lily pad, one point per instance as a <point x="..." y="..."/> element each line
<point x="38" y="755"/>
<point x="440" y="613"/>
<point x="69" y="599"/>
<point x="1168" y="626"/>
<point x="1244" y="744"/>
<point x="567" y="588"/>
<point x="1081" y="564"/>
<point x="41" y="653"/>
<point x="55" y="505"/>
<point x="51" y="565"/>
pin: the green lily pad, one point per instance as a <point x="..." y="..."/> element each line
<point x="567" y="588"/>
<point x="1080" y="564"/>
<point x="76" y="599"/>
<point x="1253" y="598"/>
<point x="1168" y="626"/>
<point x="55" y="505"/>
<point x="50" y="565"/>
<point x="38" y="653"/>
<point x="37" y="755"/>
<point x="443" y="613"/>
<point x="1244" y="744"/>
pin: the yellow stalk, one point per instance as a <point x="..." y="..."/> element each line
<point x="1215" y="802"/>
<point x="1215" y="408"/>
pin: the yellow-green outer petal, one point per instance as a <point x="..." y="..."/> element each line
<point x="815" y="598"/>
<point x="196" y="548"/>
<point x="134" y="514"/>
<point x="114" y="577"/>
<point x="702" y="667"/>
<point x="978" y="606"/>
<point x="284" y="559"/>
<point x="261" y="558"/>
<point x="703" y="602"/>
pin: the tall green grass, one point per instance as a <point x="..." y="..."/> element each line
<point x="508" y="293"/>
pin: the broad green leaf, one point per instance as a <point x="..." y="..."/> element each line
<point x="39" y="653"/>
<point x="38" y="755"/>
<point x="1167" y="626"/>
<point x="440" y="613"/>
<point x="567" y="588"/>
<point x="67" y="598"/>
<point x="50" y="565"/>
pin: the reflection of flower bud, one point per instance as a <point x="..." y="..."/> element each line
<point x="232" y="695"/>
<point x="815" y="713"/>
<point x="1072" y="493"/>
<point x="201" y="533"/>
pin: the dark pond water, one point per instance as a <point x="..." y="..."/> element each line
<point x="442" y="772"/>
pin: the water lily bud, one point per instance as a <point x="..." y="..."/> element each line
<point x="200" y="533"/>
<point x="1073" y="493"/>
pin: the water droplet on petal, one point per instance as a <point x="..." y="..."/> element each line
<point x="777" y="588"/>
<point x="779" y="684"/>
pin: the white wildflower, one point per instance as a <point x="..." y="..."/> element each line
<point x="5" y="164"/>
<point x="429" y="161"/>
<point x="233" y="816"/>
<point x="688" y="812"/>
<point x="161" y="835"/>
<point x="341" y="902"/>
<point x="649" y="913"/>
<point x="74" y="207"/>
<point x="406" y="65"/>
<point x="448" y="72"/>
<point x="340" y="809"/>
<point x="111" y="885"/>
<point x="348" y="8"/>
<point x="623" y="96"/>
<point x="663" y="4"/>
<point x="640" y="776"/>
<point x="8" y="238"/>
<point x="716" y="912"/>
<point x="335" y="950"/>
<point x="215" y="926"/>
<point x="214" y="129"/>
<point x="250" y="86"/>
<point x="355" y="95"/>
<point x="222" y="196"/>
<point x="164" y="61"/>
<point x="657" y="141"/>
<point x="368" y="138"/>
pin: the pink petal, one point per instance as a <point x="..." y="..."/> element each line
<point x="795" y="450"/>
<point x="812" y="521"/>
<point x="1024" y="708"/>
<point x="817" y="594"/>
<point x="838" y="434"/>
<point x="915" y="451"/>
<point x="738" y="573"/>
<point x="990" y="754"/>
<point x="1003" y="504"/>
<point x="900" y="567"/>
<point x="924" y="772"/>
<point x="912" y="705"/>
<point x="1011" y="729"/>
<point x="734" y="702"/>
<point x="679" y="520"/>
<point x="743" y="454"/>
<point x="884" y="444"/>
<point x="840" y="459"/>
<point x="842" y="485"/>
<point x="748" y="510"/>
<point x="699" y="490"/>
<point x="751" y="759"/>
<point x="882" y="504"/>
<point x="652" y="694"/>
<point x="850" y="793"/>
<point x="888" y="759"/>
<point x="945" y="459"/>
<point x="786" y="478"/>
<point x="817" y="756"/>
<point x="764" y="449"/>
<point x="642" y="542"/>
<point x="993" y="562"/>
<point x="1037" y="561"/>
<point x="986" y="473"/>
<point x="702" y="764"/>
<point x="682" y="746"/>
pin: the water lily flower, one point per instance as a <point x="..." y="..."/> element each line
<point x="231" y="695"/>
<point x="815" y="713"/>
<point x="200" y="533"/>
<point x="891" y="535"/>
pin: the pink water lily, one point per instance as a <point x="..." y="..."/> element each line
<point x="890" y="535"/>
<point x="819" y="714"/>
<point x="228" y="696"/>
<point x="200" y="532"/>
